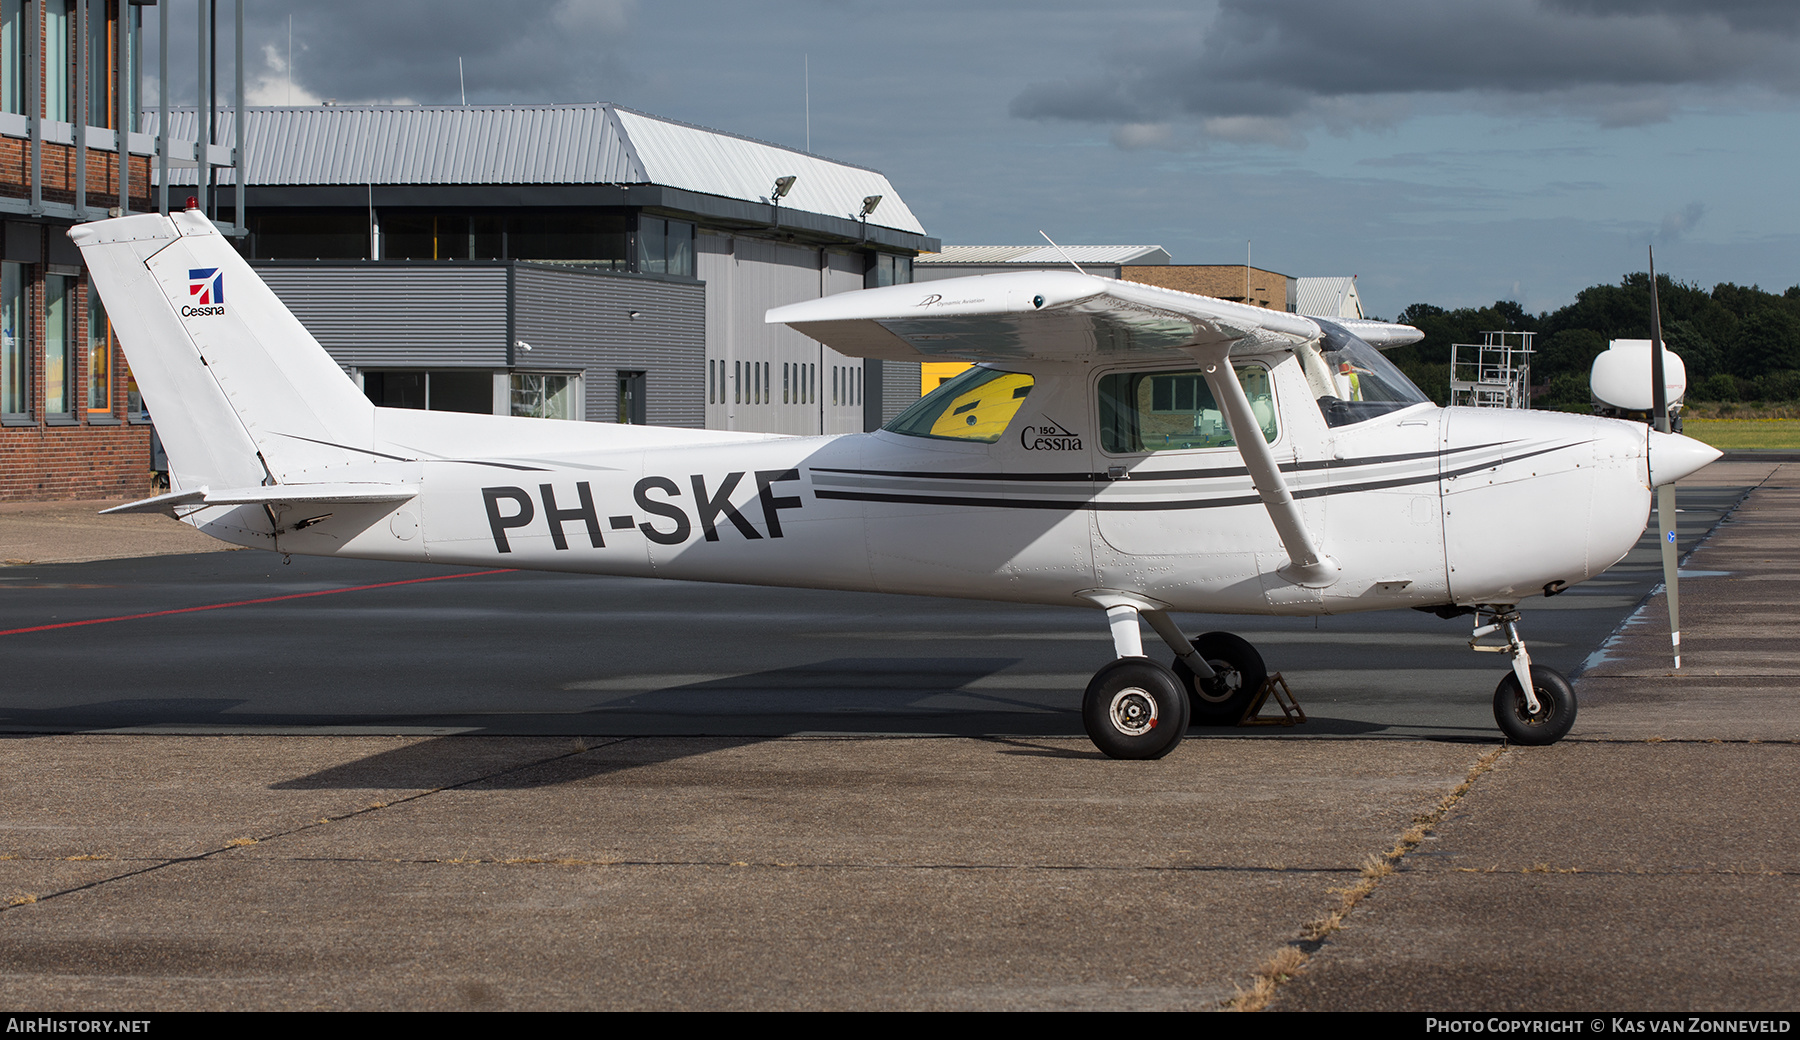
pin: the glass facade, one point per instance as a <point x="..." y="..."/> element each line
<point x="617" y="240"/>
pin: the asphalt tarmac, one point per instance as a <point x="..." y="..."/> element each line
<point x="420" y="649"/>
<point x="238" y="783"/>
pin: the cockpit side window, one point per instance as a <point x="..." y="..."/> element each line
<point x="1175" y="411"/>
<point x="977" y="405"/>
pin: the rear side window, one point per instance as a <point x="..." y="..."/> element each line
<point x="977" y="405"/>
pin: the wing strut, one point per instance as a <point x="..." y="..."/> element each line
<point x="1306" y="564"/>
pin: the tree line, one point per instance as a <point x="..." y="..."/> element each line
<point x="1739" y="344"/>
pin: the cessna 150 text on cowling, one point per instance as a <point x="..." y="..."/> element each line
<point x="1118" y="446"/>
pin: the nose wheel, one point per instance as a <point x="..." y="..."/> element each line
<point x="1549" y="722"/>
<point x="1533" y="705"/>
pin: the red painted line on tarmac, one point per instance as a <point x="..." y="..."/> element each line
<point x="248" y="602"/>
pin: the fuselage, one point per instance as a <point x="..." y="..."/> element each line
<point x="1421" y="506"/>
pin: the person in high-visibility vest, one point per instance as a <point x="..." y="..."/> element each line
<point x="1352" y="381"/>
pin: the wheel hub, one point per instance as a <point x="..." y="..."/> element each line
<point x="1225" y="682"/>
<point x="1546" y="709"/>
<point x="1133" y="711"/>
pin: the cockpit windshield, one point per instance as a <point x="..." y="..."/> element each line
<point x="1352" y="381"/>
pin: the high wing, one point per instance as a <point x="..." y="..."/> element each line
<point x="1051" y="315"/>
<point x="1064" y="316"/>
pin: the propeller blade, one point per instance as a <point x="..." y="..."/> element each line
<point x="1665" y="522"/>
<point x="1665" y="495"/>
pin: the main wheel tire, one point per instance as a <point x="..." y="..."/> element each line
<point x="1134" y="708"/>
<point x="1556" y="708"/>
<point x="1222" y="700"/>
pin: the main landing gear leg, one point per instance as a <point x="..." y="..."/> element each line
<point x="1221" y="673"/>
<point x="1533" y="704"/>
<point x="1134" y="707"/>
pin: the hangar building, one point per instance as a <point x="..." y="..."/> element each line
<point x="573" y="261"/>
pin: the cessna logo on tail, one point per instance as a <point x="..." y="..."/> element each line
<point x="206" y="287"/>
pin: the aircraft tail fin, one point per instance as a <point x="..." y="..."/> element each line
<point x="242" y="395"/>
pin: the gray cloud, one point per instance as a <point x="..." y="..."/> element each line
<point x="1677" y="223"/>
<point x="407" y="50"/>
<point x="1263" y="69"/>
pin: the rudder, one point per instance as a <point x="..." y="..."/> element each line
<point x="241" y="393"/>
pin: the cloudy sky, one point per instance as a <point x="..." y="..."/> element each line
<point x="1454" y="152"/>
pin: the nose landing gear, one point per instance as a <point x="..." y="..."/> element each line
<point x="1533" y="705"/>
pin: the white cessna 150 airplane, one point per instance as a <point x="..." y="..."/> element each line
<point x="1117" y="446"/>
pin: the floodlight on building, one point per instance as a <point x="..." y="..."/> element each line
<point x="783" y="185"/>
<point x="868" y="207"/>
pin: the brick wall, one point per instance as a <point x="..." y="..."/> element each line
<point x="89" y="454"/>
<point x="43" y="463"/>
<point x="1220" y="281"/>
<point x="58" y="163"/>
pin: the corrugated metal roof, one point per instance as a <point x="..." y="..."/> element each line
<point x="1328" y="297"/>
<point x="535" y="144"/>
<point x="698" y="159"/>
<point x="1046" y="255"/>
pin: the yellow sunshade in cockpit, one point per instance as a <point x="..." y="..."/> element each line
<point x="982" y="413"/>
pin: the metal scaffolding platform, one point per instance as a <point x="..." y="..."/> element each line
<point x="1495" y="373"/>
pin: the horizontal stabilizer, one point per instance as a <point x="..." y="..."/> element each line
<point x="274" y="494"/>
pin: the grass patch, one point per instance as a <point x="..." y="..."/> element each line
<point x="1744" y="434"/>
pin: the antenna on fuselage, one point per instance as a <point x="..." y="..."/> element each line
<point x="1064" y="252"/>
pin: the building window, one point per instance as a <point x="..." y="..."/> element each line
<point x="448" y="390"/>
<point x="12" y="56"/>
<point x="432" y="236"/>
<point x="665" y="246"/>
<point x="60" y="367"/>
<point x="99" y="355"/>
<point x="310" y="236"/>
<point x="103" y="63"/>
<point x="595" y="239"/>
<point x="887" y="269"/>
<point x="538" y="395"/>
<point x="630" y="401"/>
<point x="59" y="22"/>
<point x="15" y="354"/>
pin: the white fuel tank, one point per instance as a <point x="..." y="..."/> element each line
<point x="1621" y="376"/>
